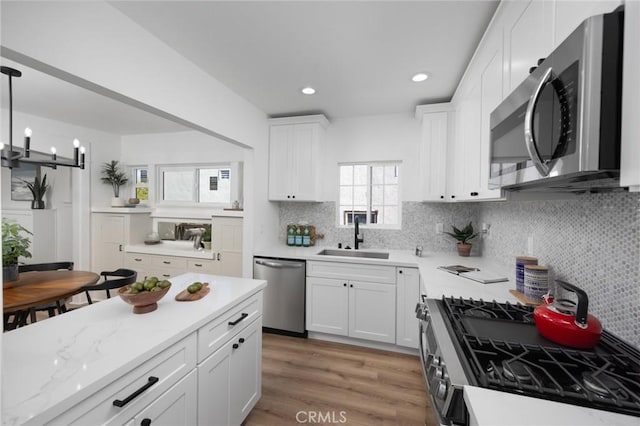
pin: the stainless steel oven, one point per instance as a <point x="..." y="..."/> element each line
<point x="560" y="128"/>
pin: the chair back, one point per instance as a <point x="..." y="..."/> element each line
<point x="124" y="277"/>
<point x="53" y="266"/>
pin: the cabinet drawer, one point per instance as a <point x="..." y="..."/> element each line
<point x="352" y="271"/>
<point x="168" y="367"/>
<point x="204" y="266"/>
<point x="169" y="262"/>
<point x="213" y="335"/>
<point x="138" y="260"/>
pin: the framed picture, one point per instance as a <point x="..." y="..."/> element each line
<point x="19" y="189"/>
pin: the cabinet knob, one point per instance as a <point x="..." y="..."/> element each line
<point x="241" y="340"/>
<point x="350" y="285"/>
<point x="145" y="422"/>
<point x="453" y="196"/>
<point x="400" y="271"/>
<point x="344" y="285"/>
<point x="442" y="197"/>
<point x="474" y="194"/>
<point x="236" y="346"/>
<point x="293" y="196"/>
<point x="218" y="257"/>
<point x="288" y="196"/>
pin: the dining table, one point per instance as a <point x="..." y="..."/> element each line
<point x="38" y="288"/>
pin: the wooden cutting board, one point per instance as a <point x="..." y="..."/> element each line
<point x="524" y="299"/>
<point x="185" y="296"/>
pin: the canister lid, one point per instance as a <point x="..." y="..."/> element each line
<point x="536" y="267"/>
<point x="527" y="258"/>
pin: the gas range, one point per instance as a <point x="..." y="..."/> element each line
<point x="497" y="346"/>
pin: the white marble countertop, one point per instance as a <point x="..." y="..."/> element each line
<point x="170" y="248"/>
<point x="492" y="408"/>
<point x="136" y="210"/>
<point x="49" y="366"/>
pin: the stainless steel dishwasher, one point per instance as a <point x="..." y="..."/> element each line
<point x="284" y="297"/>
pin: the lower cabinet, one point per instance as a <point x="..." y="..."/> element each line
<point x="408" y="285"/>
<point x="177" y="406"/>
<point x="349" y="306"/>
<point x="229" y="380"/>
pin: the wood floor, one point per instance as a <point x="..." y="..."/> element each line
<point x="307" y="381"/>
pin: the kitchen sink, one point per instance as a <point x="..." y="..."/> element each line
<point x="354" y="253"/>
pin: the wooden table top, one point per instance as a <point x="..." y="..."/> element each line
<point x="42" y="287"/>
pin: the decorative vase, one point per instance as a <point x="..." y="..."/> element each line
<point x="464" y="249"/>
<point x="37" y="204"/>
<point x="9" y="273"/>
<point x="117" y="202"/>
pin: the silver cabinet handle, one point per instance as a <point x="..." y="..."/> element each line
<point x="278" y="265"/>
<point x="218" y="256"/>
<point x="529" y="137"/>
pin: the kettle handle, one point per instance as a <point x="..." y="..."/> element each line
<point x="582" y="309"/>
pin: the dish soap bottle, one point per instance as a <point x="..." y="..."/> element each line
<point x="306" y="236"/>
<point x="298" y="235"/>
<point x="291" y="234"/>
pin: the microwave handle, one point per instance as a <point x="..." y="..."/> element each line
<point x="529" y="138"/>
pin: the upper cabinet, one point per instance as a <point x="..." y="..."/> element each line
<point x="294" y="149"/>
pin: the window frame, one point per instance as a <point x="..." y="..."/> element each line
<point x="370" y="164"/>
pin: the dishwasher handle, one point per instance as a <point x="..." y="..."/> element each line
<point x="278" y="265"/>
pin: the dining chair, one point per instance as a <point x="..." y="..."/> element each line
<point x="121" y="277"/>
<point x="50" y="308"/>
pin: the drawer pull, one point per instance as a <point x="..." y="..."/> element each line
<point x="243" y="316"/>
<point x="241" y="340"/>
<point x="121" y="403"/>
<point x="166" y="262"/>
<point x="166" y="275"/>
<point x="145" y="422"/>
<point x="218" y="256"/>
<point x="137" y="259"/>
<point x="236" y="346"/>
<point x="199" y="265"/>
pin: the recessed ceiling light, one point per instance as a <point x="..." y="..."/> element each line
<point x="308" y="90"/>
<point x="421" y="76"/>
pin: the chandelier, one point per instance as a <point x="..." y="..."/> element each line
<point x="13" y="156"/>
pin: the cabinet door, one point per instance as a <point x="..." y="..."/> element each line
<point x="372" y="311"/>
<point x="570" y="14"/>
<point x="108" y="240"/>
<point x="303" y="159"/>
<point x="280" y="139"/>
<point x="327" y="306"/>
<point x="470" y="144"/>
<point x="214" y="379"/>
<point x="433" y="156"/>
<point x="245" y="387"/>
<point x="408" y="290"/>
<point x="177" y="406"/>
<point x="226" y="243"/>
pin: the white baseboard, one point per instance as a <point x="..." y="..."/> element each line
<point x="363" y="343"/>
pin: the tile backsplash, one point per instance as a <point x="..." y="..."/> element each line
<point x="592" y="241"/>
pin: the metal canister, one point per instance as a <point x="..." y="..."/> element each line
<point x="521" y="261"/>
<point x="536" y="281"/>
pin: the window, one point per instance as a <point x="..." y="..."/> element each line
<point x="141" y="183"/>
<point x="370" y="192"/>
<point x="209" y="184"/>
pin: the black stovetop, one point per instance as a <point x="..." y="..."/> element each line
<point x="505" y="352"/>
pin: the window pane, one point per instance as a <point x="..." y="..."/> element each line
<point x="346" y="195"/>
<point x="360" y="195"/>
<point x="215" y="185"/>
<point x="391" y="175"/>
<point x="360" y="173"/>
<point x="390" y="216"/>
<point x="142" y="175"/>
<point x="178" y="185"/>
<point x="377" y="193"/>
<point x="346" y="175"/>
<point x="391" y="195"/>
<point x="377" y="175"/>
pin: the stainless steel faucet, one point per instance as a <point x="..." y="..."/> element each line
<point x="358" y="238"/>
<point x="196" y="234"/>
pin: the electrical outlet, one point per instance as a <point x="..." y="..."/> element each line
<point x="439" y="228"/>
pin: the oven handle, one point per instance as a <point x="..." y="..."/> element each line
<point x="529" y="137"/>
<point x="421" y="331"/>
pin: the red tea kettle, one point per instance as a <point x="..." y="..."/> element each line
<point x="567" y="324"/>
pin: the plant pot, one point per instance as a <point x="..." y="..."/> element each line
<point x="464" y="249"/>
<point x="207" y="245"/>
<point x="37" y="204"/>
<point x="9" y="273"/>
<point x="117" y="202"/>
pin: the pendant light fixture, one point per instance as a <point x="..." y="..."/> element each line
<point x="13" y="156"/>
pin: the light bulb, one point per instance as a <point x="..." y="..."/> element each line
<point x="82" y="150"/>
<point x="1" y="146"/>
<point x="27" y="132"/>
<point x="308" y="90"/>
<point x="422" y="76"/>
<point x="53" y="149"/>
<point x="76" y="143"/>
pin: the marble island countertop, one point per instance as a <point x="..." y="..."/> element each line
<point x="50" y="366"/>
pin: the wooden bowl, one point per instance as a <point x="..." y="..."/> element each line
<point x="143" y="302"/>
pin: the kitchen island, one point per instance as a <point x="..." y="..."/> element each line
<point x="74" y="368"/>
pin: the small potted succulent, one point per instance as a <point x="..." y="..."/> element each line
<point x="112" y="175"/>
<point x="463" y="236"/>
<point x="38" y="189"/>
<point x="14" y="245"/>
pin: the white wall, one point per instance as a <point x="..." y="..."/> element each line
<point x="389" y="137"/>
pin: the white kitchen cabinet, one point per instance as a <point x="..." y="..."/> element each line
<point x="177" y="406"/>
<point x="353" y="306"/>
<point x="294" y="151"/>
<point x="408" y="292"/>
<point x="437" y="133"/>
<point x="226" y="244"/>
<point x="630" y="149"/>
<point x="570" y="13"/>
<point x="110" y="233"/>
<point x="42" y="225"/>
<point x="229" y="381"/>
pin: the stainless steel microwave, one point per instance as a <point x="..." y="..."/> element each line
<point x="560" y="129"/>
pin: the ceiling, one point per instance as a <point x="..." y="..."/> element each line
<point x="358" y="55"/>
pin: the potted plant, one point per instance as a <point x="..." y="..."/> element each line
<point x="206" y="238"/>
<point x="38" y="188"/>
<point x="115" y="177"/>
<point x="463" y="236"/>
<point x="14" y="245"/>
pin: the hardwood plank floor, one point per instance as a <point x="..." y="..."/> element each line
<point x="308" y="381"/>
